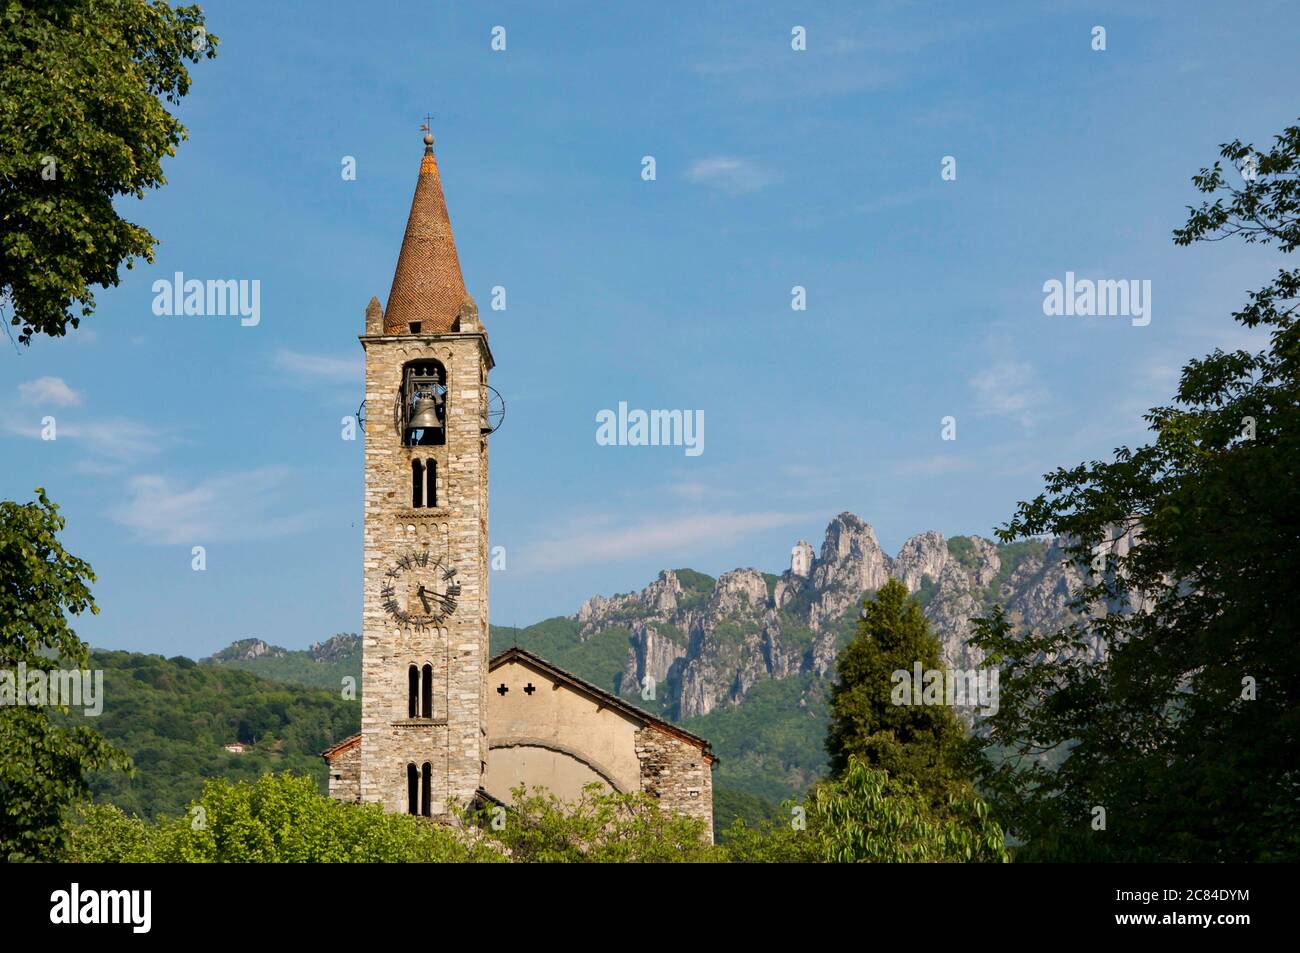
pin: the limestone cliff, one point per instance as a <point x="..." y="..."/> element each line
<point x="699" y="644"/>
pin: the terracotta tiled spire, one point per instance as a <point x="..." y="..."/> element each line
<point x="427" y="286"/>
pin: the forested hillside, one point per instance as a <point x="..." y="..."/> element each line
<point x="172" y="716"/>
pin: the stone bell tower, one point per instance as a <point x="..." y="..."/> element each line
<point x="425" y="610"/>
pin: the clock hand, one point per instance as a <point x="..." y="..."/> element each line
<point x="423" y="600"/>
<point x="446" y="600"/>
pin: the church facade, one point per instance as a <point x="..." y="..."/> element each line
<point x="441" y="721"/>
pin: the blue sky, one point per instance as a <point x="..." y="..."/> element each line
<point x="775" y="168"/>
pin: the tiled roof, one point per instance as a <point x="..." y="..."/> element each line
<point x="333" y="751"/>
<point x="427" y="285"/>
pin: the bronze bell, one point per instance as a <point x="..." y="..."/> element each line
<point x="425" y="415"/>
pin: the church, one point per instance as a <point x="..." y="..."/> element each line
<point x="441" y="720"/>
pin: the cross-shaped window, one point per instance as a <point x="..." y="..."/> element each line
<point x="529" y="689"/>
<point x="501" y="689"/>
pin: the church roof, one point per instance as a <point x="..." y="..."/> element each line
<point x="333" y="751"/>
<point x="427" y="286"/>
<point x="602" y="697"/>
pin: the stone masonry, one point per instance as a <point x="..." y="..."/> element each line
<point x="676" y="772"/>
<point x="453" y="739"/>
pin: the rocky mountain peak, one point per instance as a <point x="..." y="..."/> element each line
<point x="702" y="649"/>
<point x="336" y="648"/>
<point x="924" y="554"/>
<point x="739" y="589"/>
<point x="245" y="649"/>
<point x="850" y="564"/>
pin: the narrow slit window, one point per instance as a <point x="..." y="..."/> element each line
<point x="412" y="789"/>
<point x="414" y="693"/>
<point x="417" y="483"/>
<point x="431" y="494"/>
<point x="426" y="693"/>
<point x="426" y="784"/>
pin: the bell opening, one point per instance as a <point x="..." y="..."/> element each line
<point x="423" y="404"/>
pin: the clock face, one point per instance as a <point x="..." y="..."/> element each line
<point x="420" y="590"/>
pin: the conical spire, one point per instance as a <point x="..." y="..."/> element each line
<point x="428" y="289"/>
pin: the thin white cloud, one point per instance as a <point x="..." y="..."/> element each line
<point x="103" y="445"/>
<point x="109" y="445"/>
<point x="320" y="367"/>
<point x="1010" y="389"/>
<point x="681" y="537"/>
<point x="730" y="174"/>
<point x="48" y="392"/>
<point x="228" y="508"/>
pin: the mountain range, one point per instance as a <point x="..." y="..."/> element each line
<point x="747" y="659"/>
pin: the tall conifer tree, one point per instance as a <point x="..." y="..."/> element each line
<point x="926" y="744"/>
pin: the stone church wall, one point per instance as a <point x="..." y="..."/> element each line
<point x="345" y="774"/>
<point x="677" y="773"/>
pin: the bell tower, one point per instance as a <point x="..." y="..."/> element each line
<point x="425" y="608"/>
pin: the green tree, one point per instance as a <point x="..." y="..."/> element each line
<point x="277" y="819"/>
<point x="598" y="827"/>
<point x="867" y="816"/>
<point x="82" y="84"/>
<point x="1186" y="731"/>
<point x="42" y="764"/>
<point x="925" y="744"/>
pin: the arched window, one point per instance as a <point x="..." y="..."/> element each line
<point x="426" y="787"/>
<point x="422" y="404"/>
<point x="413" y="695"/>
<point x="412" y="789"/>
<point x="424" y="483"/>
<point x="426" y="693"/>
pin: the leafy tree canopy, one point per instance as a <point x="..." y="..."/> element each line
<point x="82" y="86"/>
<point x="277" y="819"/>
<point x="1183" y="737"/>
<point x="866" y="816"/>
<point x="599" y="827"/>
<point x="42" y="765"/>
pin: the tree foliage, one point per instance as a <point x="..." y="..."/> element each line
<point x="924" y="744"/>
<point x="866" y="816"/>
<point x="598" y="827"/>
<point x="82" y="119"/>
<point x="43" y="765"/>
<point x="1186" y="731"/>
<point x="277" y="819"/>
